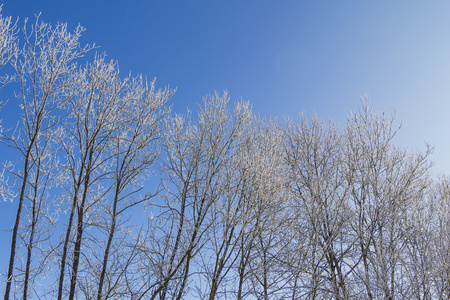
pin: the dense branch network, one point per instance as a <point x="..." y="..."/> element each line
<point x="119" y="198"/>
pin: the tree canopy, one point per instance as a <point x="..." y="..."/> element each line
<point x="117" y="197"/>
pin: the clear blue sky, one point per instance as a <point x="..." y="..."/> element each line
<point x="283" y="56"/>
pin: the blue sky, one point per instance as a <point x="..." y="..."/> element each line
<point x="283" y="56"/>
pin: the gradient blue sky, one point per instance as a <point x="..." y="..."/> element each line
<point x="283" y="56"/>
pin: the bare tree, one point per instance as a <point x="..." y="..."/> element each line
<point x="196" y="157"/>
<point x="239" y="217"/>
<point x="263" y="192"/>
<point x="227" y="215"/>
<point x="314" y="156"/>
<point x="107" y="143"/>
<point x="440" y="246"/>
<point x="44" y="68"/>
<point x="37" y="233"/>
<point x="419" y="253"/>
<point x="385" y="183"/>
<point x="133" y="152"/>
<point x="427" y="250"/>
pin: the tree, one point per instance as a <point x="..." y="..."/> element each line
<point x="227" y="215"/>
<point x="249" y="204"/>
<point x="133" y="151"/>
<point x="108" y="143"/>
<point x="196" y="156"/>
<point x="44" y="68"/>
<point x="440" y="249"/>
<point x="385" y="183"/>
<point x="315" y="162"/>
<point x="427" y="249"/>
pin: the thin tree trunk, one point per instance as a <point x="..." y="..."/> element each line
<point x="77" y="249"/>
<point x="185" y="276"/>
<point x="67" y="237"/>
<point x="34" y="218"/>
<point x="29" y="249"/>
<point x="108" y="245"/>
<point x="16" y="226"/>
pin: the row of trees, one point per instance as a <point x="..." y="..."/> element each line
<point x="119" y="198"/>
